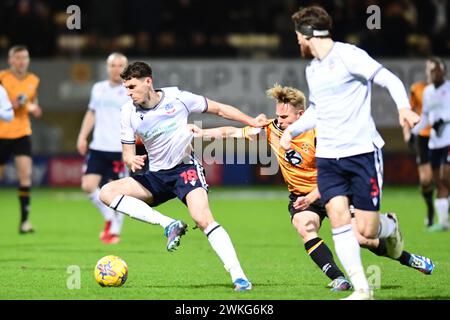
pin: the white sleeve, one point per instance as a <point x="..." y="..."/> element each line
<point x="127" y="132"/>
<point x="397" y="90"/>
<point x="306" y="122"/>
<point x="93" y="100"/>
<point x="6" y="108"/>
<point x="193" y="102"/>
<point x="358" y="62"/>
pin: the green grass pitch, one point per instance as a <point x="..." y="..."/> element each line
<point x="37" y="266"/>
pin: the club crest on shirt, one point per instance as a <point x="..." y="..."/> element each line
<point x="305" y="147"/>
<point x="169" y="108"/>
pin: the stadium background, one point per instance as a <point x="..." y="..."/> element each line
<point x="230" y="51"/>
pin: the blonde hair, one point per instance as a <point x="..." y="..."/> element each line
<point x="289" y="95"/>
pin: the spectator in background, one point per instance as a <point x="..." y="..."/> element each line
<point x="146" y="30"/>
<point x="395" y="29"/>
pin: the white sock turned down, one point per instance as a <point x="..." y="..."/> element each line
<point x="221" y="243"/>
<point x="349" y="253"/>
<point x="386" y="226"/>
<point x="139" y="210"/>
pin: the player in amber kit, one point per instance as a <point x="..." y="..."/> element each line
<point x="15" y="136"/>
<point x="420" y="145"/>
<point x="298" y="167"/>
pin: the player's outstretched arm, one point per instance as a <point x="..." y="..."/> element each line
<point x="397" y="90"/>
<point x="232" y="113"/>
<point x="249" y="133"/>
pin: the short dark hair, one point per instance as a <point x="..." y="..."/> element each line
<point x="314" y="16"/>
<point x="137" y="70"/>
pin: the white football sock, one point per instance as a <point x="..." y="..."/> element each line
<point x="139" y="210"/>
<point x="221" y="243"/>
<point x="107" y="212"/>
<point x="116" y="223"/>
<point x="386" y="226"/>
<point x="349" y="253"/>
<point x="441" y="205"/>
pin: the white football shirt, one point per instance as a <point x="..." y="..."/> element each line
<point x="106" y="101"/>
<point x="6" y="108"/>
<point x="340" y="91"/>
<point x="436" y="105"/>
<point x="163" y="129"/>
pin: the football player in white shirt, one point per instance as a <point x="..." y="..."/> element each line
<point x="6" y="108"/>
<point x="104" y="154"/>
<point x="159" y="117"/>
<point x="339" y="77"/>
<point x="436" y="112"/>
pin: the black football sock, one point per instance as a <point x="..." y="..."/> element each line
<point x="322" y="256"/>
<point x="24" y="199"/>
<point x="428" y="196"/>
<point x="405" y="258"/>
<point x="381" y="249"/>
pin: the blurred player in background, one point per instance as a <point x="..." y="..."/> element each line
<point x="348" y="156"/>
<point x="420" y="145"/>
<point x="436" y="112"/>
<point x="300" y="174"/>
<point x="6" y="108"/>
<point x="15" y="136"/>
<point x="159" y="118"/>
<point x="104" y="156"/>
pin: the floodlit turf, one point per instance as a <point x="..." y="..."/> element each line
<point x="41" y="265"/>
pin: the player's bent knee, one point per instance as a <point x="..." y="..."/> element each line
<point x="307" y="228"/>
<point x="107" y="194"/>
<point x="88" y="187"/>
<point x="363" y="241"/>
<point x="203" y="219"/>
<point x="367" y="234"/>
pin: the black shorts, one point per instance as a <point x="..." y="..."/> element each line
<point x="359" y="177"/>
<point x="316" y="207"/>
<point x="109" y="165"/>
<point x="423" y="153"/>
<point x="176" y="182"/>
<point x="440" y="157"/>
<point x="14" y="147"/>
